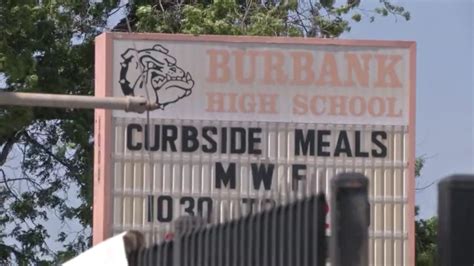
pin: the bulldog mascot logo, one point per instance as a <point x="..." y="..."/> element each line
<point x="154" y="74"/>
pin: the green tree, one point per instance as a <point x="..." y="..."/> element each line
<point x="425" y="231"/>
<point x="48" y="46"/>
<point x="426" y="237"/>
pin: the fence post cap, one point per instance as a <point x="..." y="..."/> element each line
<point x="350" y="180"/>
<point x="457" y="180"/>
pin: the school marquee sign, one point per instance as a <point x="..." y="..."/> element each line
<point x="244" y="123"/>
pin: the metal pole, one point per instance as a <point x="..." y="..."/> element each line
<point x="350" y="220"/>
<point x="129" y="104"/>
<point x="456" y="220"/>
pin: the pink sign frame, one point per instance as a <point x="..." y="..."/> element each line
<point x="102" y="212"/>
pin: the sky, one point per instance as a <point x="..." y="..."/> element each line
<point x="444" y="33"/>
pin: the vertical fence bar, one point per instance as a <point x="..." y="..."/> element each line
<point x="319" y="214"/>
<point x="456" y="220"/>
<point x="349" y="220"/>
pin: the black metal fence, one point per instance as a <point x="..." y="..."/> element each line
<point x="295" y="234"/>
<point x="286" y="235"/>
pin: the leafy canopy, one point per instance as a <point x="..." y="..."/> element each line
<point x="426" y="230"/>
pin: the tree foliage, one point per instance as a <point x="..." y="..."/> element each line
<point x="426" y="237"/>
<point x="48" y="46"/>
<point x="425" y="231"/>
<point x="269" y="18"/>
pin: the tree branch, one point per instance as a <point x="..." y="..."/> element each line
<point x="7" y="147"/>
<point x="244" y="17"/>
<point x="41" y="146"/>
<point x="301" y="22"/>
<point x="425" y="187"/>
<point x="11" y="249"/>
<point x="15" y="179"/>
<point x="7" y="186"/>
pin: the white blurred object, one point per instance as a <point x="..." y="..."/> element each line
<point x="110" y="252"/>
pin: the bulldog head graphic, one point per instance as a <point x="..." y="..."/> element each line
<point x="154" y="74"/>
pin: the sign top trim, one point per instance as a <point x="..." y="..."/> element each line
<point x="259" y="39"/>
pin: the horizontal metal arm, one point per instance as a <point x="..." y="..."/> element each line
<point x="128" y="103"/>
